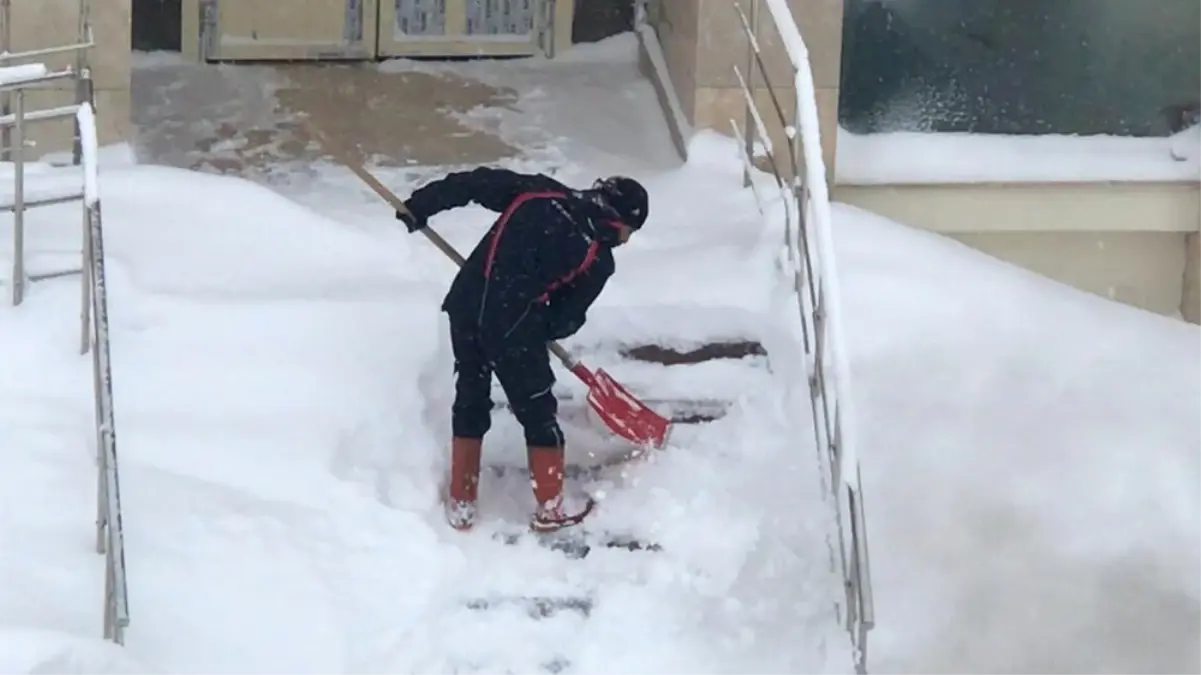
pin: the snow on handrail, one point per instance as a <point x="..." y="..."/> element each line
<point x="819" y="193"/>
<point x="110" y="536"/>
<point x="85" y="116"/>
<point x="25" y="71"/>
<point x="21" y="80"/>
<point x="810" y="248"/>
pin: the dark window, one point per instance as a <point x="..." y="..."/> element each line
<point x="156" y="25"/>
<point x="1122" y="67"/>
<point x="596" y="20"/>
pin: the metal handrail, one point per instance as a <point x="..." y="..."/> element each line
<point x="808" y="240"/>
<point x="94" y="329"/>
<point x="110" y="537"/>
<point x="42" y="115"/>
<point x="87" y="43"/>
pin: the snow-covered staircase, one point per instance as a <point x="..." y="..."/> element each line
<point x="32" y="185"/>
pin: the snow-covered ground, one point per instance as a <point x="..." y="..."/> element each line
<point x="1030" y="452"/>
<point x="282" y="396"/>
<point x="1031" y="455"/>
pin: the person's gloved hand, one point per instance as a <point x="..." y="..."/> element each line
<point x="412" y="222"/>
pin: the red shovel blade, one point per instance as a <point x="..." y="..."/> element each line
<point x="622" y="412"/>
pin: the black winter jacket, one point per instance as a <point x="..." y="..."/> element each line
<point x="541" y="265"/>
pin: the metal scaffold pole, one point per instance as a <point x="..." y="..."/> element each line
<point x="6" y="15"/>
<point x="83" y="83"/>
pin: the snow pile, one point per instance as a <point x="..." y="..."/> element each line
<point x="1030" y="455"/>
<point x="281" y="385"/>
<point x="32" y="651"/>
<point x="282" y="388"/>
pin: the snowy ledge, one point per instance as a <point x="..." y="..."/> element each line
<point x="902" y="158"/>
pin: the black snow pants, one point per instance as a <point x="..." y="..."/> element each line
<point x="523" y="368"/>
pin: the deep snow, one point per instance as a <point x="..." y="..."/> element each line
<point x="282" y="392"/>
<point x="1030" y="452"/>
<point x="1030" y="457"/>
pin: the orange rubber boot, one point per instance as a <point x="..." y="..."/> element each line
<point x="463" y="489"/>
<point x="555" y="510"/>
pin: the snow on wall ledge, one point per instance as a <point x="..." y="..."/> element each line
<point x="900" y="158"/>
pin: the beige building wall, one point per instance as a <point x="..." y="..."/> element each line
<point x="37" y="24"/>
<point x="704" y="40"/>
<point x="1131" y="242"/>
<point x="273" y="30"/>
<point x="1143" y="269"/>
<point x="1190" y="306"/>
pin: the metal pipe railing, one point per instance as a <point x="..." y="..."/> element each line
<point x="544" y="23"/>
<point x="18" y="139"/>
<point x="6" y="41"/>
<point x="94" y="325"/>
<point x="5" y="56"/>
<point x="110" y="534"/>
<point x="805" y="195"/>
<point x="42" y="115"/>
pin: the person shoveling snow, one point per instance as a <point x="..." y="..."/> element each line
<point x="529" y="281"/>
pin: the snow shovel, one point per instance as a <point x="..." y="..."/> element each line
<point x="619" y="409"/>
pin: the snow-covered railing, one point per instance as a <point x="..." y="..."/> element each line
<point x="15" y="81"/>
<point x="810" y="248"/>
<point x="110" y="537"/>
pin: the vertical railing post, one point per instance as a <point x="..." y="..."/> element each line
<point x="546" y="11"/>
<point x="85" y="310"/>
<point x="748" y="114"/>
<point x="18" y="137"/>
<point x="83" y="81"/>
<point x="89" y="271"/>
<point x="6" y="45"/>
